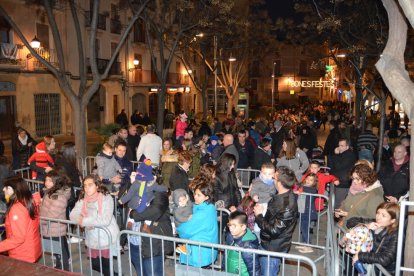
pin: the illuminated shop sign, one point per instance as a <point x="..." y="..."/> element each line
<point x="305" y="83"/>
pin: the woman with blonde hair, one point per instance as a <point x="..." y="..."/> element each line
<point x="294" y="158"/>
<point x="169" y="159"/>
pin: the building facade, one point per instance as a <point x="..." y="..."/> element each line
<point x="31" y="95"/>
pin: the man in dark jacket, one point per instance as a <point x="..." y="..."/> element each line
<point x="133" y="140"/>
<point x="261" y="154"/>
<point x="152" y="251"/>
<point x="331" y="142"/>
<point x="229" y="147"/>
<point x="277" y="226"/>
<point x="342" y="162"/>
<point x="126" y="165"/>
<point x="245" y="150"/>
<point x="394" y="174"/>
<point x="278" y="136"/>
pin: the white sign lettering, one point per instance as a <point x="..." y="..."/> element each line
<point x="317" y="84"/>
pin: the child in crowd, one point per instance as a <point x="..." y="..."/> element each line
<point x="95" y="208"/>
<point x="246" y="206"/>
<point x="262" y="189"/>
<point x="323" y="180"/>
<point x="218" y="149"/>
<point x="41" y="158"/>
<point x="239" y="235"/>
<point x="385" y="235"/>
<point x="182" y="207"/>
<point x="306" y="208"/>
<point x="108" y="167"/>
<point x="54" y="204"/>
<point x="213" y="144"/>
<point x="141" y="192"/>
<point x="180" y="126"/>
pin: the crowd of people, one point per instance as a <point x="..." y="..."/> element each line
<point x="184" y="178"/>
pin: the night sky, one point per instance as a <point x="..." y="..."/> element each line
<point x="280" y="8"/>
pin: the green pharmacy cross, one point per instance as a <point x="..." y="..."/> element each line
<point x="328" y="68"/>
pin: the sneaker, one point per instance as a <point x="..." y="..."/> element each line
<point x="182" y="249"/>
<point x="74" y="240"/>
<point x="306" y="249"/>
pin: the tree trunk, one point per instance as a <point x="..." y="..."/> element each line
<point x="383" y="106"/>
<point x="79" y="123"/>
<point x="229" y="105"/>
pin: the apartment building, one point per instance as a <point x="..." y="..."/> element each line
<point x="31" y="95"/>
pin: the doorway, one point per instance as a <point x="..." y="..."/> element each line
<point x="7" y="116"/>
<point x="139" y="103"/>
<point x="96" y="109"/>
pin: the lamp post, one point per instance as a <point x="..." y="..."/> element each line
<point x="215" y="75"/>
<point x="273" y="87"/>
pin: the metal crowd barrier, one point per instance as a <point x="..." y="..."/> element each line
<point x="25" y="172"/>
<point x="34" y="185"/>
<point x="57" y="252"/>
<point x="345" y="261"/>
<point x="246" y="176"/>
<point x="291" y="264"/>
<point x="404" y="210"/>
<point x="315" y="239"/>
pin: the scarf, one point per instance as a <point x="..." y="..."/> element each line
<point x="90" y="199"/>
<point x="23" y="141"/>
<point x="397" y="167"/>
<point x="356" y="190"/>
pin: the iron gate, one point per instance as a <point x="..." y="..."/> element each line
<point x="47" y="114"/>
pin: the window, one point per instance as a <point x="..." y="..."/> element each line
<point x="47" y="114"/>
<point x="43" y="35"/>
<point x="139" y="31"/>
<point x="253" y="84"/>
<point x="4" y="31"/>
<point x="303" y="68"/>
<point x="114" y="12"/>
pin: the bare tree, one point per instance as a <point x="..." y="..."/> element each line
<point x="391" y="66"/>
<point x="80" y="96"/>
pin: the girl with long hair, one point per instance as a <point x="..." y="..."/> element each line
<point x="226" y="187"/>
<point x="94" y="209"/>
<point x="294" y="158"/>
<point x="54" y="205"/>
<point x="22" y="222"/>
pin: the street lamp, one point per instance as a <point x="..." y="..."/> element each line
<point x="273" y="87"/>
<point x="136" y="63"/>
<point x="35" y="43"/>
<point x="232" y="59"/>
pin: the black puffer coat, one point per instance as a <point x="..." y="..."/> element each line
<point x="277" y="226"/>
<point x="384" y="251"/>
<point x="159" y="215"/>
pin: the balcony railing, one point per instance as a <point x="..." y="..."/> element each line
<point x="101" y="20"/>
<point x="47" y="54"/>
<point x="102" y="63"/>
<point x="116" y="26"/>
<point x="11" y="54"/>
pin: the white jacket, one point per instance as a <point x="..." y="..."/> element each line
<point x="97" y="238"/>
<point x="150" y="146"/>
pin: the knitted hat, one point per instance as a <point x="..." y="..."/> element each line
<point x="214" y="137"/>
<point x="144" y="171"/>
<point x="41" y="147"/>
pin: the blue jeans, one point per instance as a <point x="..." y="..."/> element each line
<point x="157" y="267"/>
<point x="366" y="154"/>
<point x="135" y="258"/>
<point x="304" y="228"/>
<point x="269" y="266"/>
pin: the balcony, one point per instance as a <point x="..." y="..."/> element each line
<point x="101" y="20"/>
<point x="11" y="55"/>
<point x="47" y="54"/>
<point x="102" y="63"/>
<point x="176" y="78"/>
<point x="116" y="26"/>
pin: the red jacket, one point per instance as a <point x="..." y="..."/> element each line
<point x="323" y="179"/>
<point x="22" y="235"/>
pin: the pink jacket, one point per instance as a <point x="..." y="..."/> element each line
<point x="180" y="127"/>
<point x="54" y="207"/>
